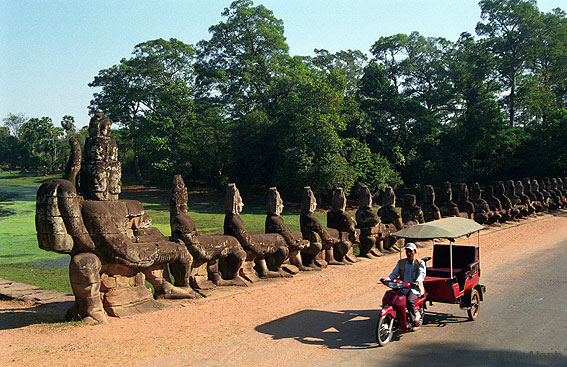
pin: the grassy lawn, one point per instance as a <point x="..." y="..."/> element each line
<point x="21" y="259"/>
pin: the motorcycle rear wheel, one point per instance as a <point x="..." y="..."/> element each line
<point x="384" y="330"/>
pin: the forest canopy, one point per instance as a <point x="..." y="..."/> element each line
<point x="413" y="110"/>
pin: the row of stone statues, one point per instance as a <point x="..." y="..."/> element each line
<point x="114" y="249"/>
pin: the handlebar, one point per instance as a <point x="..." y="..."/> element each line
<point x="395" y="284"/>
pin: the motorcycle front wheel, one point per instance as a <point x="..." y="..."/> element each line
<point x="384" y="330"/>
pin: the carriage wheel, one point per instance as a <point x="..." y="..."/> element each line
<point x="475" y="305"/>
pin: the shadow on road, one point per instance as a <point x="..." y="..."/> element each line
<point x="50" y="313"/>
<point x="348" y="329"/>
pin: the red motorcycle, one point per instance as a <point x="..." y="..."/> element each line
<point x="394" y="315"/>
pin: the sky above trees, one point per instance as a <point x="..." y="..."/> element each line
<point x="51" y="50"/>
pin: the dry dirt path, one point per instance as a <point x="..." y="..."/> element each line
<point x="258" y="326"/>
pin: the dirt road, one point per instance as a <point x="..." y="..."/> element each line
<point x="313" y="319"/>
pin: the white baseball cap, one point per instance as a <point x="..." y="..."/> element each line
<point x="411" y="246"/>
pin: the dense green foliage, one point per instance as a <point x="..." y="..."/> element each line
<point x="416" y="110"/>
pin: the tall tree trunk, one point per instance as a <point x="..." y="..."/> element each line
<point x="512" y="99"/>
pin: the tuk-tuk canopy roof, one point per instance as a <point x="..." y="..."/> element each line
<point x="451" y="228"/>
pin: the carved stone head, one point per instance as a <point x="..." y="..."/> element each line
<point x="542" y="185"/>
<point x="519" y="188"/>
<point x="99" y="126"/>
<point x="233" y="201"/>
<point x="308" y="201"/>
<point x="410" y="200"/>
<point x="510" y="188"/>
<point x="446" y="193"/>
<point x="389" y="198"/>
<point x="179" y="197"/>
<point x="429" y="195"/>
<point x="463" y="192"/>
<point x="554" y="184"/>
<point x="560" y="183"/>
<point x="534" y="185"/>
<point x="548" y="185"/>
<point x="476" y="192"/>
<point x="364" y="197"/>
<point x="339" y="201"/>
<point x="275" y="202"/>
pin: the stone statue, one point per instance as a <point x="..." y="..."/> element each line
<point x="113" y="249"/>
<point x="257" y="247"/>
<point x="430" y="210"/>
<point x="411" y="212"/>
<point x="500" y="193"/>
<point x="391" y="219"/>
<point x="552" y="203"/>
<point x="371" y="230"/>
<point x="524" y="199"/>
<point x="447" y="207"/>
<point x="545" y="201"/>
<point x="101" y="171"/>
<point x="313" y="231"/>
<point x="343" y="226"/>
<point x="515" y="199"/>
<point x="482" y="212"/>
<point x="502" y="215"/>
<point x="294" y="239"/>
<point x="466" y="207"/>
<point x="534" y="199"/>
<point x="554" y="187"/>
<point x="206" y="250"/>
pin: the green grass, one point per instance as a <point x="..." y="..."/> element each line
<point x="21" y="259"/>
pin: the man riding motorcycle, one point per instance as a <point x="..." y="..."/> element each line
<point x="410" y="270"/>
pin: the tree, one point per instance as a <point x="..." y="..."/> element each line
<point x="350" y="64"/>
<point x="509" y="32"/>
<point x="148" y="93"/>
<point x="14" y="122"/>
<point x="39" y="140"/>
<point x="68" y="124"/>
<point x="9" y="149"/>
<point x="239" y="64"/>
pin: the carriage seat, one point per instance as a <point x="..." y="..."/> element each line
<point x="464" y="259"/>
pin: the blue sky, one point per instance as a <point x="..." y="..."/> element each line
<point x="51" y="49"/>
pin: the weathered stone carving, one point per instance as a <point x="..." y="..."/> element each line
<point x="258" y="246"/>
<point x="500" y="193"/>
<point x="447" y="207"/>
<point x="338" y="220"/>
<point x="411" y="212"/>
<point x="502" y="215"/>
<point x="101" y="171"/>
<point x="515" y="199"/>
<point x="371" y="230"/>
<point x="545" y="201"/>
<point x="482" y="212"/>
<point x="430" y="210"/>
<point x="111" y="245"/>
<point x="391" y="219"/>
<point x="312" y="230"/>
<point x="534" y="199"/>
<point x="548" y="196"/>
<point x="206" y="250"/>
<point x="552" y="186"/>
<point x="294" y="239"/>
<point x="524" y="199"/>
<point x="466" y="207"/>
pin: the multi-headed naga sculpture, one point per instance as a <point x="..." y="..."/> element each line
<point x="111" y="245"/>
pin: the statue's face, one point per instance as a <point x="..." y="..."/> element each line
<point x="279" y="205"/>
<point x="238" y="204"/>
<point x="312" y="205"/>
